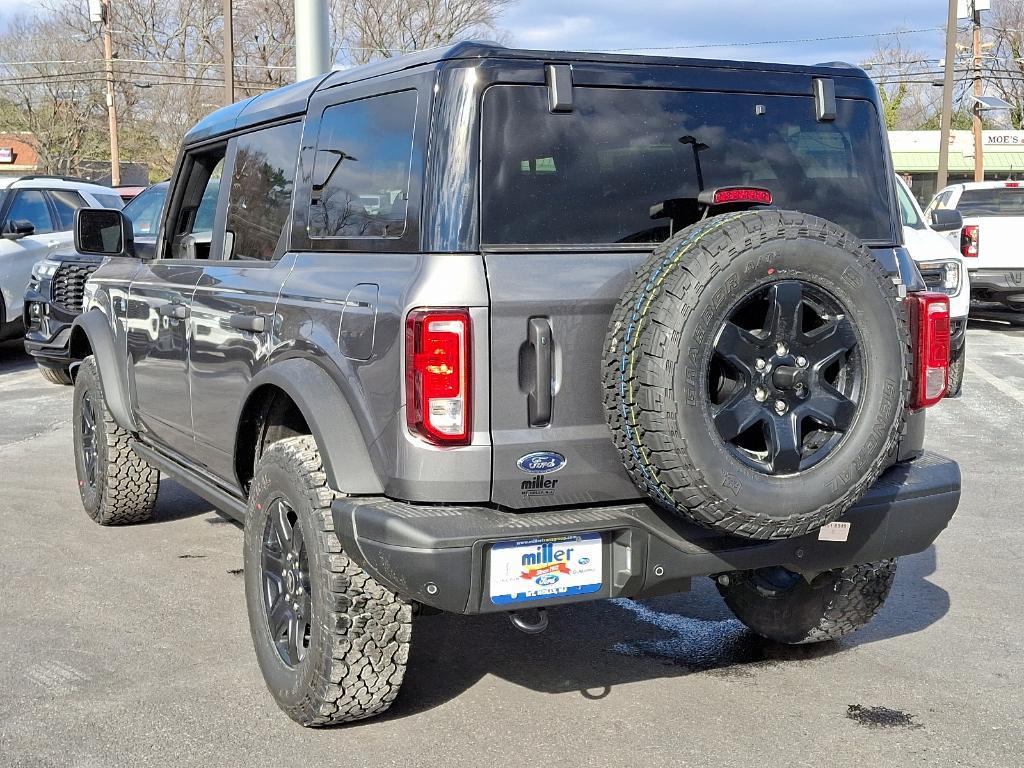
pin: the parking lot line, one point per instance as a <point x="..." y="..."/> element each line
<point x="1007" y="389"/>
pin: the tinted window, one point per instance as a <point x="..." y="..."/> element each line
<point x="144" y="210"/>
<point x="261" y="192"/>
<point x="30" y="205"/>
<point x="361" y="172"/>
<point x="995" y="201"/>
<point x="109" y="201"/>
<point x="66" y="201"/>
<point x="593" y="175"/>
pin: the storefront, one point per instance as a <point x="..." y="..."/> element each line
<point x="915" y="155"/>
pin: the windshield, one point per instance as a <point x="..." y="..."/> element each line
<point x="144" y="210"/>
<point x="994" y="201"/>
<point x="622" y="167"/>
<point x="908" y="208"/>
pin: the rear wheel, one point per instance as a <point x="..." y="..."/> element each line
<point x="957" y="363"/>
<point x="332" y="643"/>
<point x="782" y="606"/>
<point x="55" y="374"/>
<point x="117" y="486"/>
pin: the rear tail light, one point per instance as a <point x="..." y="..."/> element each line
<point x="969" y="241"/>
<point x="931" y="356"/>
<point x="437" y="375"/>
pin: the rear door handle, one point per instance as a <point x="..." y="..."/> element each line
<point x="539" y="401"/>
<point x="176" y="311"/>
<point x="247" y="322"/>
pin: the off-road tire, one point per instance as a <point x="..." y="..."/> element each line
<point x="957" y="363"/>
<point x="359" y="632"/>
<point x="667" y="317"/>
<point x="833" y="604"/>
<point x="55" y="374"/>
<point x="124" y="487"/>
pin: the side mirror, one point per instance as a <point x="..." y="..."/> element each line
<point x="18" y="228"/>
<point x="946" y="220"/>
<point x="103" y="232"/>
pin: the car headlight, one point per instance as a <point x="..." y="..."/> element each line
<point x="45" y="268"/>
<point x="942" y="275"/>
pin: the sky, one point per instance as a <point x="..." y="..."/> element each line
<point x="651" y="24"/>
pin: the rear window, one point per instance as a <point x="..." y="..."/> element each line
<point x="593" y="175"/>
<point x="995" y="201"/>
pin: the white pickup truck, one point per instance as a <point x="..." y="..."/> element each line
<point x="942" y="267"/>
<point x="992" y="238"/>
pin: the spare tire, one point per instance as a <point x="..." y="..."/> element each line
<point x="757" y="373"/>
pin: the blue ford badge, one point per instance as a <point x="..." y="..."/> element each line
<point x="541" y="463"/>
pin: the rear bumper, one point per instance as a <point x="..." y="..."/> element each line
<point x="439" y="555"/>
<point x="1002" y="285"/>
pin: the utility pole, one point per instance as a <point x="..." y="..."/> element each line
<point x="946" y="119"/>
<point x="229" y="55"/>
<point x="979" y="145"/>
<point x="312" y="47"/>
<point x="108" y="55"/>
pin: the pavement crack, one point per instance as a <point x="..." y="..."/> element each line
<point x="52" y="428"/>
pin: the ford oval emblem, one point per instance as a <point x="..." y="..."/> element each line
<point x="541" y="463"/>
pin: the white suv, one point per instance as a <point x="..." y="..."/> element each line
<point x="37" y="214"/>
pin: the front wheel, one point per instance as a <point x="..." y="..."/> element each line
<point x="957" y="363"/>
<point x="781" y="605"/>
<point x="332" y="643"/>
<point x="56" y="374"/>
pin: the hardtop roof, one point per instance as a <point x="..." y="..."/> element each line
<point x="292" y="99"/>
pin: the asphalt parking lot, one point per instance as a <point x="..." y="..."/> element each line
<point x="129" y="647"/>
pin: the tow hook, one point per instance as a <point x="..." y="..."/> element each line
<point x="520" y="622"/>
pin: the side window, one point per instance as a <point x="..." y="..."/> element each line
<point x="30" y="205"/>
<point x="361" y="172"/>
<point x="66" y="201"/>
<point x="260" y="200"/>
<point x="192" y="229"/>
<point x="109" y="201"/>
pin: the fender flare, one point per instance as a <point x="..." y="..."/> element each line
<point x="330" y="419"/>
<point x="97" y="330"/>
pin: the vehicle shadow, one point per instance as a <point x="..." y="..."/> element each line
<point x="13" y="357"/>
<point x="591" y="648"/>
<point x="175" y="502"/>
<point x="1000" y="319"/>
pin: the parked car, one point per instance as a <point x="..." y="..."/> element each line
<point x="942" y="268"/>
<point x="37" y="215"/>
<point x="54" y="295"/>
<point x="990" y="240"/>
<point x="568" y="354"/>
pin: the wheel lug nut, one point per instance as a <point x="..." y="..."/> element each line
<point x="760" y="395"/>
<point x="780" y="407"/>
<point x="759" y="364"/>
<point x="781" y="349"/>
<point x="801" y="361"/>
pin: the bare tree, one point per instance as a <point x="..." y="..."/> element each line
<point x="1006" y="73"/>
<point x="904" y="78"/>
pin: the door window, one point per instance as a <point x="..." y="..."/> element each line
<point x="30" y="205"/>
<point x="144" y="210"/>
<point x="66" y="201"/>
<point x="261" y="193"/>
<point x="361" y="172"/>
<point x="192" y="233"/>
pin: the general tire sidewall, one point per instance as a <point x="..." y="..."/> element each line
<point x="881" y="404"/>
<point x="92" y="496"/>
<point x="288" y="685"/>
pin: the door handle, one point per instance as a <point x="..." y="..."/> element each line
<point x="539" y="400"/>
<point x="175" y="311"/>
<point x="247" y="322"/>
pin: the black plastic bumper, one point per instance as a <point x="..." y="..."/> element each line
<point x="1002" y="285"/>
<point x="439" y="555"/>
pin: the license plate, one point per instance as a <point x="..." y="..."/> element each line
<point x="536" y="569"/>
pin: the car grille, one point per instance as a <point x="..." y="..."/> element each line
<point x="68" y="285"/>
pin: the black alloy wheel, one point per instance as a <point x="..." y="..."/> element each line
<point x="87" y="424"/>
<point x="785" y="377"/>
<point x="285" y="580"/>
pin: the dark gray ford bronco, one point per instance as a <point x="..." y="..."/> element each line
<point x="482" y="330"/>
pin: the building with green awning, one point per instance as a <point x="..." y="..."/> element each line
<point x="915" y="156"/>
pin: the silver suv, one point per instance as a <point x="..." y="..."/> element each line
<point x="487" y="330"/>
